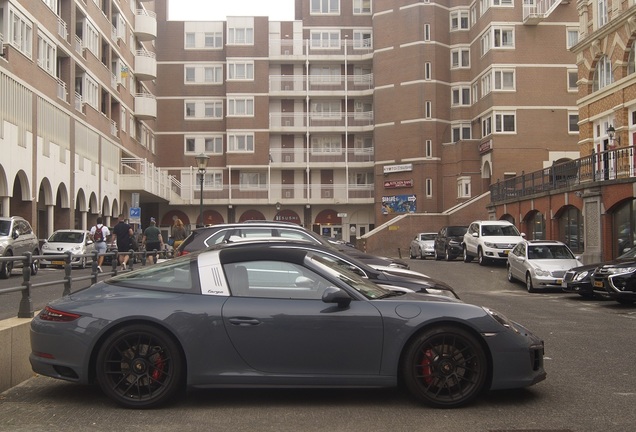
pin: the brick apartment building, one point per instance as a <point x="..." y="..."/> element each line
<point x="343" y="119"/>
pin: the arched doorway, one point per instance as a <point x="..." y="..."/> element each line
<point x="287" y="215"/>
<point x="328" y="224"/>
<point x="210" y="217"/>
<point x="251" y="215"/>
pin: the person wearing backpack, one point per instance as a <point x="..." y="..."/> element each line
<point x="99" y="233"/>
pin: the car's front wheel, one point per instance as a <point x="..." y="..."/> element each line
<point x="445" y="367"/>
<point x="481" y="259"/>
<point x="511" y="278"/>
<point x="6" y="267"/>
<point x="467" y="257"/>
<point x="139" y="366"/>
<point x="529" y="285"/>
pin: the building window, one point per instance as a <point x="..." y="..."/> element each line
<point x="460" y="132"/>
<point x="460" y="58"/>
<point x="213" y="40"/>
<point x="475" y="92"/>
<point x="326" y="109"/>
<point x="362" y="39"/>
<point x="326" y="6"/>
<point x="202" y="74"/>
<point x="573" y="122"/>
<point x="363" y="145"/>
<point x="429" y="187"/>
<point x="427" y="71"/>
<point x="463" y="187"/>
<point x="427" y="32"/>
<point x="572" y="37"/>
<point x="204" y="144"/>
<point x="91" y="38"/>
<point x="486" y="126"/>
<point x="428" y="148"/>
<point x="573" y="77"/>
<point x="603" y="74"/>
<point x="240" y="107"/>
<point x="361" y="178"/>
<point x="504" y="79"/>
<point x="624" y="226"/>
<point x="460" y="96"/>
<point x="459" y="20"/>
<point x="213" y="180"/>
<point x="361" y="7"/>
<point x="47" y="54"/>
<point x="602" y="13"/>
<point x="503" y="38"/>
<point x="536" y="226"/>
<point x="329" y="39"/>
<point x="240" y="36"/>
<point x="571" y="228"/>
<point x="428" y="109"/>
<point x="631" y="67"/>
<point x="252" y="180"/>
<point x="326" y="144"/>
<point x="240" y="143"/>
<point x="240" y="71"/>
<point x="203" y="110"/>
<point x="485" y="43"/>
<point x="486" y="84"/>
<point x="204" y="40"/>
<point x="505" y="122"/>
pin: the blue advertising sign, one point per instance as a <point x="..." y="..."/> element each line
<point x="398" y="204"/>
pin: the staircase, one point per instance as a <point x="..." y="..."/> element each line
<point x="535" y="11"/>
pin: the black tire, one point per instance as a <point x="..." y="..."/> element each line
<point x="421" y="255"/>
<point x="445" y="367"/>
<point x="467" y="257"/>
<point x="6" y="267"/>
<point x="448" y="255"/>
<point x="529" y="285"/>
<point x="411" y="253"/>
<point x="139" y="366"/>
<point x="438" y="257"/>
<point x="511" y="278"/>
<point x="481" y="259"/>
<point x="82" y="263"/>
<point x="35" y="265"/>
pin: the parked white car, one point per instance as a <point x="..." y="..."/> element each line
<point x="490" y="241"/>
<point x="540" y="263"/>
<point x="423" y="245"/>
<point x="77" y="242"/>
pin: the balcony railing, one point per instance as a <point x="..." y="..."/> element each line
<point x="539" y="10"/>
<point x="62" y="29"/>
<point x="320" y="120"/>
<point x="61" y="89"/>
<point x="611" y="165"/>
<point x="302" y="156"/>
<point x="288" y="48"/>
<point x="320" y="83"/>
<point x="139" y="174"/>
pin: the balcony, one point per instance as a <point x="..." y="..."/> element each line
<point x="300" y="156"/>
<point x="145" y="65"/>
<point x="536" y="12"/>
<point x="286" y="85"/>
<point x="139" y="175"/>
<point x="145" y="106"/>
<point x="288" y="49"/>
<point x="327" y="122"/>
<point x="145" y="25"/>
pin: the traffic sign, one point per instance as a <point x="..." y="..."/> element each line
<point x="135" y="215"/>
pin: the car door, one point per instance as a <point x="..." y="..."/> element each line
<point x="516" y="261"/>
<point x="278" y="323"/>
<point x="470" y="240"/>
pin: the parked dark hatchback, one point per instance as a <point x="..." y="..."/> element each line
<point x="617" y="280"/>
<point x="448" y="242"/>
<point x="204" y="237"/>
<point x="579" y="279"/>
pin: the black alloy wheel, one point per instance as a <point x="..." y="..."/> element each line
<point x="139" y="366"/>
<point x="6" y="267"/>
<point x="445" y="367"/>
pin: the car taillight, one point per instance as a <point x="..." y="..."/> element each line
<point x="182" y="253"/>
<point x="50" y="314"/>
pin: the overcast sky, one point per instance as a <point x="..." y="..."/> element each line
<point x="219" y="10"/>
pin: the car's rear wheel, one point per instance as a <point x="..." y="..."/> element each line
<point x="445" y="367"/>
<point x="448" y="255"/>
<point x="529" y="285"/>
<point x="411" y="254"/>
<point x="35" y="265"/>
<point x="467" y="257"/>
<point x="139" y="366"/>
<point x="420" y="255"/>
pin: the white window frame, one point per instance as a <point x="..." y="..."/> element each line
<point x="571" y="36"/>
<point x="461" y="132"/>
<point x="361" y="179"/>
<point x="203" y="109"/>
<point x="325" y="7"/>
<point x="91" y="38"/>
<point x="325" y="39"/>
<point x="486" y="84"/>
<point x="326" y="144"/>
<point x="213" y="180"/>
<point x="475" y="92"/>
<point x="428" y="71"/>
<point x="463" y="187"/>
<point x="572" y="73"/>
<point x="502" y="3"/>
<point x="429" y="188"/>
<point x="460" y="58"/>
<point x="252" y="180"/>
<point x="428" y="109"/>
<point x="571" y="115"/>
<point x="362" y="39"/>
<point x="215" y="37"/>
<point x="459" y="20"/>
<point x="327" y="109"/>
<point x="460" y="96"/>
<point x="199" y="74"/>
<point x="91" y="91"/>
<point x="486" y="126"/>
<point x="240" y="36"/>
<point x="363" y="144"/>
<point x="199" y="144"/>
<point x="427" y="32"/>
<point x="428" y="148"/>
<point x="240" y="70"/>
<point x="240" y="143"/>
<point x="501" y="124"/>
<point x="503" y="37"/>
<point x="238" y="106"/>
<point x="20" y="34"/>
<point x="362" y="7"/>
<point x="47" y="54"/>
<point x="602" y="12"/>
<point x="499" y="81"/>
<point x="603" y="76"/>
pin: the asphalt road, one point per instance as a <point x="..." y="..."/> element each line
<point x="591" y="384"/>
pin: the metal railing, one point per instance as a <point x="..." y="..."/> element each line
<point x="25" y="308"/>
<point x="610" y="165"/>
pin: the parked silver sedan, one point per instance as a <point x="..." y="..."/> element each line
<point x="540" y="263"/>
<point x="423" y="245"/>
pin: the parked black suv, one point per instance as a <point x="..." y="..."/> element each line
<point x="616" y="280"/>
<point x="448" y="242"/>
<point x="204" y="237"/>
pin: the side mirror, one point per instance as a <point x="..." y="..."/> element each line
<point x="15" y="234"/>
<point x="336" y="295"/>
<point x="476" y="235"/>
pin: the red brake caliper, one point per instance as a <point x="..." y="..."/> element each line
<point x="159" y="366"/>
<point x="427" y="370"/>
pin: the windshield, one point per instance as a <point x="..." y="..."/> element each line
<point x="549" y="252"/>
<point x="67" y="237"/>
<point x="427" y="236"/>
<point x="457" y="231"/>
<point x="5" y="226"/>
<point x="363" y="286"/>
<point x="629" y="254"/>
<point x="499" y="230"/>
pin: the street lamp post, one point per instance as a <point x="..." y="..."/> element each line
<point x="202" y="164"/>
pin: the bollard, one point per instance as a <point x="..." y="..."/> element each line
<point x="67" y="273"/>
<point x="26" y="305"/>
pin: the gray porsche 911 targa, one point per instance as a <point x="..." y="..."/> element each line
<point x="264" y="315"/>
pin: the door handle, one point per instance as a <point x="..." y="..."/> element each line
<point x="244" y="321"/>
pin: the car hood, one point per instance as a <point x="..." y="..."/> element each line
<point x="512" y="240"/>
<point x="620" y="264"/>
<point x="58" y="246"/>
<point x="562" y="264"/>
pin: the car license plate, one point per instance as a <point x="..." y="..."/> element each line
<point x="564" y="284"/>
<point x="598" y="284"/>
<point x="559" y="282"/>
<point x="506" y="252"/>
<point x="58" y="263"/>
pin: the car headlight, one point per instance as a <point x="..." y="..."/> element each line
<point x="46" y="246"/>
<point x="619" y="270"/>
<point x="580" y="276"/>
<point x="444" y="293"/>
<point x="501" y="319"/>
<point x="490" y="245"/>
<point x="541" y="272"/>
<point x="76" y="249"/>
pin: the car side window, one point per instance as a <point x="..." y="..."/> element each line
<point x="274" y="279"/>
